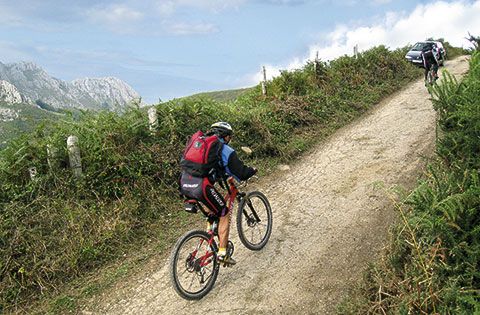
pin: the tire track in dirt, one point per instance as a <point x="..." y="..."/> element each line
<point x="331" y="216"/>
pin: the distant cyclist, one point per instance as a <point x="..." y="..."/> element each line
<point x="208" y="159"/>
<point x="429" y="58"/>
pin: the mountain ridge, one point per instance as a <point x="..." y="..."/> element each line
<point x="35" y="84"/>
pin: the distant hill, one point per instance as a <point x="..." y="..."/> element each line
<point x="35" y="85"/>
<point x="222" y="96"/>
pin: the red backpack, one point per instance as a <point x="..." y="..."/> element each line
<point x="201" y="155"/>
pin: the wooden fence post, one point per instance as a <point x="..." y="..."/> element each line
<point x="264" y="82"/>
<point x="74" y="156"/>
<point x="153" y="119"/>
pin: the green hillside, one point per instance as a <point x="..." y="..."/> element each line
<point x="30" y="117"/>
<point x="222" y="96"/>
<point x="56" y="229"/>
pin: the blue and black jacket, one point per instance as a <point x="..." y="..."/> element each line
<point x="232" y="165"/>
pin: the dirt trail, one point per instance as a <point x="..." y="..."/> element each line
<point x="331" y="217"/>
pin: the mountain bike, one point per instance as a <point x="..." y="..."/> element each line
<point x="193" y="262"/>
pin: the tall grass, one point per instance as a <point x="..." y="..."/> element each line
<point x="433" y="263"/>
<point x="54" y="228"/>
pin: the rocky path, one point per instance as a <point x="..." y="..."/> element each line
<point x="331" y="215"/>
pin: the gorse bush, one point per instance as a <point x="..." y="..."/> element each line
<point x="433" y="265"/>
<point x="55" y="228"/>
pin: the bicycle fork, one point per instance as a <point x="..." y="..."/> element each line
<point x="253" y="218"/>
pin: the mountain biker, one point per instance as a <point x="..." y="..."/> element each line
<point x="202" y="188"/>
<point x="429" y="58"/>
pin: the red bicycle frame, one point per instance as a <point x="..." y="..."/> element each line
<point x="232" y="192"/>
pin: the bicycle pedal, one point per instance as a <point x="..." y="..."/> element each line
<point x="227" y="262"/>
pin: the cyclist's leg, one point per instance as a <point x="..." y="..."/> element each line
<point x="435" y="70"/>
<point x="216" y="203"/>
<point x="427" y="68"/>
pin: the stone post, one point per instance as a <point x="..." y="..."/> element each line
<point x="74" y="156"/>
<point x="52" y="157"/>
<point x="152" y="119"/>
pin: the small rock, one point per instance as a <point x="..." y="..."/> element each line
<point x="283" y="167"/>
<point x="247" y="150"/>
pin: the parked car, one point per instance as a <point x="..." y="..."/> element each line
<point x="414" y="54"/>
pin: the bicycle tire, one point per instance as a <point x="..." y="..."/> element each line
<point x="251" y="218"/>
<point x="190" y="265"/>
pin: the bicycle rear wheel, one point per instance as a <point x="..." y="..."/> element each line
<point x="254" y="220"/>
<point x="193" y="265"/>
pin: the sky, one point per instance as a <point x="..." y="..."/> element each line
<point x="172" y="48"/>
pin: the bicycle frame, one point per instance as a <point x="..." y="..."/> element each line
<point x="230" y="196"/>
<point x="232" y="192"/>
<point x="204" y="260"/>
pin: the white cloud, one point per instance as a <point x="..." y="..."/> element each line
<point x="9" y="17"/>
<point x="380" y="2"/>
<point x="285" y="2"/>
<point x="167" y="8"/>
<point x="449" y="20"/>
<point x="116" y="17"/>
<point x="191" y="28"/>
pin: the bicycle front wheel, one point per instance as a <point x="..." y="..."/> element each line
<point x="254" y="220"/>
<point x="193" y="265"/>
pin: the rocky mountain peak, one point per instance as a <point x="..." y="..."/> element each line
<point x="36" y="84"/>
<point x="107" y="90"/>
<point x="9" y="93"/>
<point x="24" y="65"/>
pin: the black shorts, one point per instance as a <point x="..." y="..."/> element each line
<point x="203" y="190"/>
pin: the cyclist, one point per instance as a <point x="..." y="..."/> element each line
<point x="202" y="188"/>
<point x="429" y="58"/>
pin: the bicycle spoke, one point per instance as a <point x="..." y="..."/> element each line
<point x="209" y="276"/>
<point x="183" y="272"/>
<point x="191" y="283"/>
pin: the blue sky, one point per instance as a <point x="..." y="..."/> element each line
<point x="172" y="48"/>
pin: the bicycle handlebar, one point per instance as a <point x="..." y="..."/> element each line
<point x="244" y="183"/>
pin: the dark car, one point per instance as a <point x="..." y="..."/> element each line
<point x="415" y="57"/>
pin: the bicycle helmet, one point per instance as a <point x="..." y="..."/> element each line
<point x="222" y="129"/>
